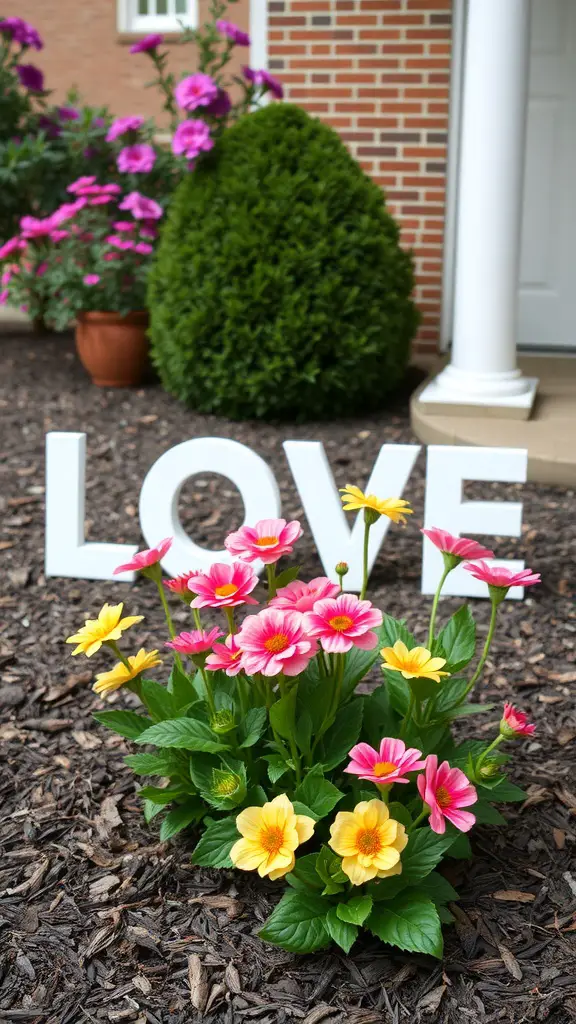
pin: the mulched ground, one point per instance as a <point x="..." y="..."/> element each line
<point x="101" y="922"/>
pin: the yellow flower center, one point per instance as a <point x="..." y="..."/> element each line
<point x="266" y="542"/>
<point x="443" y="798"/>
<point x="271" y="838"/>
<point x="277" y="643"/>
<point x="340" y="623"/>
<point x="384" y="768"/>
<point x="368" y="841"/>
<point x="226" y="590"/>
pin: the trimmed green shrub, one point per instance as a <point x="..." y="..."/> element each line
<point x="280" y="288"/>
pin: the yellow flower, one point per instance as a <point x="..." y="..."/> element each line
<point x="415" y="664"/>
<point x="270" y="834"/>
<point x="369" y="841"/>
<point x="395" y="508"/>
<point x="106" y="682"/>
<point x="108" y="626"/>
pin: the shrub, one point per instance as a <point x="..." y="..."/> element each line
<point x="280" y="288"/>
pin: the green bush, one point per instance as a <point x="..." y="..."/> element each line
<point x="279" y="288"/>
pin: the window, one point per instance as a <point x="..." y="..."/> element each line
<point x="156" y="15"/>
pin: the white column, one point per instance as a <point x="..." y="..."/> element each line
<point x="483" y="368"/>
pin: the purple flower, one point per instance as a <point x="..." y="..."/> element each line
<point x="30" y="77"/>
<point x="13" y="245"/>
<point x="265" y="81"/>
<point x="220" y="106"/>
<point x="137" y="159"/>
<point x="148" y="43"/>
<point x="197" y="90"/>
<point x="91" y="279"/>
<point x="42" y="268"/>
<point x="67" y="113"/>
<point x="141" y="207"/>
<point x="233" y="33"/>
<point x="21" y="32"/>
<point x="191" y="138"/>
<point x="121" y="125"/>
<point x="98" y="122"/>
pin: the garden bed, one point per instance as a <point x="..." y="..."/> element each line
<point x="99" y="921"/>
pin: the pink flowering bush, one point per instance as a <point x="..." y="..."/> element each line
<point x="260" y="739"/>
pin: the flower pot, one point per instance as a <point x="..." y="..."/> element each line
<point x="113" y="348"/>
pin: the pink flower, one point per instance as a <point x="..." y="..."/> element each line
<point x="197" y="642"/>
<point x="502" y="578"/>
<point x="148" y="232"/>
<point x="265" y="81"/>
<point x="446" y="790"/>
<point x="121" y="125"/>
<point x="273" y="642"/>
<point x="223" y="586"/>
<point x="109" y="256"/>
<point x="301" y="597"/>
<point x="144" y="559"/>
<point x="150" y="42"/>
<point x="36" y="227"/>
<point x="141" y="207"/>
<point x="268" y="540"/>
<point x="100" y="200"/>
<point x="98" y="190"/>
<point x="191" y="138"/>
<point x="226" y="657"/>
<point x="68" y="210"/>
<point x="58" y="235"/>
<point x="459" y="547"/>
<point x="41" y="268"/>
<point x="195" y="91"/>
<point x="6" y="276"/>
<point x="4" y="296"/>
<point x="81" y="183"/>
<point x="124" y="225"/>
<point x="137" y="159"/>
<point x="119" y="243"/>
<point x="13" y="245"/>
<point x="387" y="765"/>
<point x="515" y="723"/>
<point x="91" y="278"/>
<point x="179" y="585"/>
<point x="143" y="248"/>
<point x="343" y="622"/>
<point x="233" y="33"/>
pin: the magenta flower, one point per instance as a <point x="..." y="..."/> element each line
<point x="502" y="578"/>
<point x="223" y="586"/>
<point x="387" y="765"/>
<point x="20" y="31"/>
<point x="195" y="91"/>
<point x="30" y="77"/>
<point x="137" y="159"/>
<point x="100" y="200"/>
<point x="120" y="243"/>
<point x="41" y="268"/>
<point x="68" y="210"/>
<point x="515" y="723"/>
<point x="144" y="559"/>
<point x="13" y="245"/>
<point x="343" y="622"/>
<point x="150" y="42"/>
<point x="265" y="81"/>
<point x="226" y="657"/>
<point x="36" y="227"/>
<point x="58" y="235"/>
<point x="268" y="540"/>
<point x="124" y="225"/>
<point x="121" y="125"/>
<point x="67" y="113"/>
<point x="4" y="296"/>
<point x="141" y="207"/>
<point x="445" y="790"/>
<point x="191" y="138"/>
<point x="197" y="642"/>
<point x="459" y="547"/>
<point x="91" y="279"/>
<point x="301" y="597"/>
<point x="220" y="106"/>
<point x="179" y="585"/>
<point x="148" y="232"/>
<point x="273" y="642"/>
<point x="233" y="33"/>
<point x="143" y="248"/>
<point x="109" y="256"/>
<point x="86" y="179"/>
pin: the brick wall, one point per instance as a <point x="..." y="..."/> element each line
<point x="378" y="72"/>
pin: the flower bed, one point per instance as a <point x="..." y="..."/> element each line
<point x="268" y="746"/>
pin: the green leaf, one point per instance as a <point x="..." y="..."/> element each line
<point x="343" y="933"/>
<point x="181" y="688"/>
<point x="304" y="876"/>
<point x="277" y="767"/>
<point x="303" y="731"/>
<point x="358" y="663"/>
<point x="301" y="808"/>
<point x="158" y="700"/>
<point x="470" y="709"/>
<point x="150" y="764"/>
<point x="213" y="850"/>
<point x="125" y="723"/>
<point x="252" y="726"/>
<point x="287" y="576"/>
<point x="437" y="888"/>
<point x="379" y="718"/>
<point x="150" y="810"/>
<point x="410" y="921"/>
<point x="221" y="780"/>
<point x="298" y="923"/>
<point x="458" y="640"/>
<point x="424" y="851"/>
<point x="398" y="691"/>
<point x="341" y="737"/>
<point x="449" y="695"/>
<point x="460" y="848"/>
<point x="184" y="733"/>
<point x="356" y="910"/>
<point x="180" y="817"/>
<point x="283" y="715"/>
<point x="444" y="914"/>
<point x="329" y="869"/>
<point x="392" y="630"/>
<point x="318" y="793"/>
<point x="161" y="794"/>
<point x="504" y="792"/>
<point x="485" y="814"/>
<point x="400" y="813"/>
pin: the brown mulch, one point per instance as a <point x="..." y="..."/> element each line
<point x="101" y="922"/>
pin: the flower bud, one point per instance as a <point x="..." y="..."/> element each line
<point x="223" y="721"/>
<point x="489" y="769"/>
<point x="342" y="569"/>
<point x="371" y="516"/>
<point x="515" y="723"/>
<point x="224" y="783"/>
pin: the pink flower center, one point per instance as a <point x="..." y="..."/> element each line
<point x="271" y="839"/>
<point x="266" y="542"/>
<point x="443" y="798"/>
<point x="277" y="643"/>
<point x="368" y="841"/>
<point x="384" y="768"/>
<point x="226" y="590"/>
<point x="340" y="623"/>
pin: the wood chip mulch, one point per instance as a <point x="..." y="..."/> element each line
<point x="101" y="922"/>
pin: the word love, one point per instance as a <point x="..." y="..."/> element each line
<point x="69" y="554"/>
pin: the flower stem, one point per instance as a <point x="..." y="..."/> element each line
<point x="197" y="619"/>
<point x="230" y="619"/>
<point x="169" y="622"/>
<point x="488" y="750"/>
<point x="208" y="688"/>
<point x="121" y="657"/>
<point x="409" y="714"/>
<point x="423" y="814"/>
<point x="271" y="574"/>
<point x="447" y="570"/>
<point x="485" y="652"/>
<point x="367" y="526"/>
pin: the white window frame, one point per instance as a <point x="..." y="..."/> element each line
<point x="129" y="20"/>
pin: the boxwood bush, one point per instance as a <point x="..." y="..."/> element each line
<point x="280" y="289"/>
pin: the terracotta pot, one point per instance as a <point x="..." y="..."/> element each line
<point x="113" y="348"/>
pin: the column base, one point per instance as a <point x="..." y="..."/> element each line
<point x="509" y="395"/>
